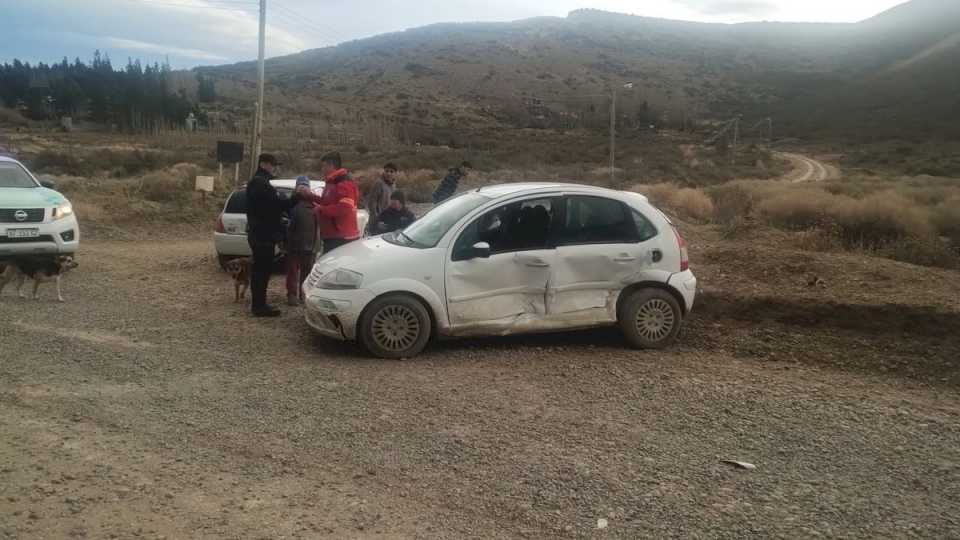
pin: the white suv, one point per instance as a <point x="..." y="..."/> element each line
<point x="35" y="220"/>
<point x="230" y="236"/>
<point x="508" y="259"/>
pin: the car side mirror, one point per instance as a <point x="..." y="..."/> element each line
<point x="481" y="250"/>
<point x="49" y="184"/>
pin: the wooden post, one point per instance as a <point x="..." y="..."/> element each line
<point x="220" y="174"/>
<point x="236" y="175"/>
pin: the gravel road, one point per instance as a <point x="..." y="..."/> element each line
<point x="150" y="405"/>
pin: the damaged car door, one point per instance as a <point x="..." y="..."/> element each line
<point x="499" y="267"/>
<point x="603" y="246"/>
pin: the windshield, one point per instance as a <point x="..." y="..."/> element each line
<point x="12" y="175"/>
<point x="428" y="230"/>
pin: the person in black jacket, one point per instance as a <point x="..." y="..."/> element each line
<point x="265" y="228"/>
<point x="396" y="217"/>
<point x="448" y="186"/>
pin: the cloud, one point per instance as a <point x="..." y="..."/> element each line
<point x="157" y="48"/>
<point x="734" y="8"/>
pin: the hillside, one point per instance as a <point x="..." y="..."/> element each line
<point x="889" y="76"/>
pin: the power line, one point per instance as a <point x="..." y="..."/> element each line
<point x="236" y="8"/>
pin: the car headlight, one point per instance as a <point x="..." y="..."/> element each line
<point x="62" y="211"/>
<point x="340" y="279"/>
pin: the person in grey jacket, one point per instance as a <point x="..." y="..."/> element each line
<point x="378" y="198"/>
<point x="301" y="240"/>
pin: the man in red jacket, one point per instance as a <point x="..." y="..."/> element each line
<point x="337" y="209"/>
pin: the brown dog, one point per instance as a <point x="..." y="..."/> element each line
<point x="239" y="269"/>
<point x="40" y="270"/>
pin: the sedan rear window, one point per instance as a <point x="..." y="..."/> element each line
<point x="13" y="175"/>
<point x="237" y="203"/>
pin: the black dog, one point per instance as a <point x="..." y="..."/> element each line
<point x="40" y="270"/>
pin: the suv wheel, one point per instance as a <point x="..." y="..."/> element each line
<point x="395" y="326"/>
<point x="650" y="319"/>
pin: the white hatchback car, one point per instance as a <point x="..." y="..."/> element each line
<point x="507" y="259"/>
<point x="230" y="235"/>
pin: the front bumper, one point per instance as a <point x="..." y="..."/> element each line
<point x="55" y="238"/>
<point x="685" y="283"/>
<point x="335" y="313"/>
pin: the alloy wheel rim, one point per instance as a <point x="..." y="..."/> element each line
<point x="655" y="320"/>
<point x="396" y="328"/>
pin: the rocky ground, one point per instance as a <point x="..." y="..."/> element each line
<point x="150" y="405"/>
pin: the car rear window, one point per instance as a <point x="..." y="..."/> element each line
<point x="237" y="203"/>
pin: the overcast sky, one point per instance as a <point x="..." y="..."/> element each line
<point x="204" y="32"/>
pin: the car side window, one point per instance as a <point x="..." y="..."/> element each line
<point x="645" y="228"/>
<point x="597" y="220"/>
<point x="519" y="226"/>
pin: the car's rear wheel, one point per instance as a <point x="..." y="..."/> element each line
<point x="395" y="326"/>
<point x="650" y="319"/>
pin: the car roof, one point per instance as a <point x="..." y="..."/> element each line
<point x="290" y="183"/>
<point x="7" y="158"/>
<point x="504" y="190"/>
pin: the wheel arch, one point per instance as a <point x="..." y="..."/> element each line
<point x="628" y="291"/>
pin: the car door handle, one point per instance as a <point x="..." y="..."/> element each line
<point x="624" y="259"/>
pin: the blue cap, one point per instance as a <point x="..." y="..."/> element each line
<point x="303" y="181"/>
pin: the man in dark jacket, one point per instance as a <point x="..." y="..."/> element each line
<point x="448" y="186"/>
<point x="396" y="217"/>
<point x="265" y="228"/>
<point x="301" y="241"/>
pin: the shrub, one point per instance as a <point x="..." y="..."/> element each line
<point x="686" y="202"/>
<point x="923" y="251"/>
<point x="946" y="219"/>
<point x="53" y="162"/>
<point x="731" y="202"/>
<point x="881" y="219"/>
<point x="693" y="203"/>
<point x="798" y="210"/>
<point x="165" y="186"/>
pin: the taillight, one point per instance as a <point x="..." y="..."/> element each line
<point x="220" y="227"/>
<point x="682" y="244"/>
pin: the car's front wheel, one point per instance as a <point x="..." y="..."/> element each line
<point x="395" y="326"/>
<point x="650" y="319"/>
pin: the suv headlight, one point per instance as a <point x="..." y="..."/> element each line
<point x="340" y="279"/>
<point x="62" y="211"/>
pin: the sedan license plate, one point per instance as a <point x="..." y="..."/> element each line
<point x="23" y="233"/>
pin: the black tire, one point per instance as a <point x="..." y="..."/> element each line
<point x="650" y="319"/>
<point x="223" y="260"/>
<point x="395" y="326"/>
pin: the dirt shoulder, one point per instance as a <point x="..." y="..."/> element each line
<point x="151" y="405"/>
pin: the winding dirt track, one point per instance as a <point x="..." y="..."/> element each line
<point x="807" y="169"/>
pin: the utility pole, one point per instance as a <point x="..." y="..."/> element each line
<point x="258" y="113"/>
<point x="613" y="134"/>
<point x="736" y="139"/>
<point x="613" y="130"/>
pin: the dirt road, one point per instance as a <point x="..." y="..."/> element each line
<point x="151" y="406"/>
<point x="807" y="169"/>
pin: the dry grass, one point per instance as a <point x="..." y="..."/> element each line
<point x="687" y="202"/>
